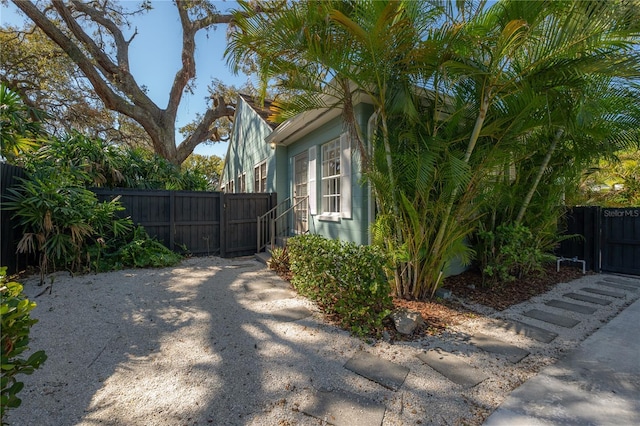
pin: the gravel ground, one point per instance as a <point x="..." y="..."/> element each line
<point x="196" y="344"/>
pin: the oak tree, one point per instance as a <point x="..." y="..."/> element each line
<point x="97" y="37"/>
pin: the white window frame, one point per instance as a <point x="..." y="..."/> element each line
<point x="330" y="178"/>
<point x="260" y="177"/>
<point x="242" y="183"/>
<point x="344" y="180"/>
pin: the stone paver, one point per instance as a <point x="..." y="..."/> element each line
<point x="527" y="330"/>
<point x="452" y="367"/>
<point x="623" y="281"/>
<point x="276" y="294"/>
<point x="573" y="307"/>
<point x="386" y="373"/>
<point x="291" y="314"/>
<point x="545" y="316"/>
<point x="342" y="408"/>
<point x="618" y="286"/>
<point x="603" y="292"/>
<point x="490" y="344"/>
<point x="585" y="298"/>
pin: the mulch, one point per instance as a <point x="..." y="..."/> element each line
<point x="440" y="314"/>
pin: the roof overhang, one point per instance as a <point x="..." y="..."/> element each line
<point x="304" y="123"/>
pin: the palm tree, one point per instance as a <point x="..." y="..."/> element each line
<point x="443" y="84"/>
<point x="19" y="124"/>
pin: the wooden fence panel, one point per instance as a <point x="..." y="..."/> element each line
<point x="200" y="223"/>
<point x="584" y="223"/>
<point x="621" y="240"/>
<point x="197" y="222"/>
<point x="10" y="232"/>
<point x="240" y="221"/>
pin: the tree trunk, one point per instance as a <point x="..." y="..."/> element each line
<point x="113" y="81"/>
<point x="536" y="182"/>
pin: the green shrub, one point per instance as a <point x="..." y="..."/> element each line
<point x="16" y="325"/>
<point x="347" y="281"/>
<point x="509" y="252"/>
<point x="61" y="221"/>
<point x="69" y="228"/>
<point x="143" y="252"/>
<point x="279" y="261"/>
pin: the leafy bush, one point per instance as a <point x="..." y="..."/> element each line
<point x="60" y="220"/>
<point x="141" y="251"/>
<point x="68" y="228"/>
<point x="509" y="252"/>
<point x="347" y="281"/>
<point x="279" y="261"/>
<point x="90" y="162"/>
<point x="16" y="324"/>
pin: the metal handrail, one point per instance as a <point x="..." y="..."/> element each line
<point x="263" y="229"/>
<point x="283" y="214"/>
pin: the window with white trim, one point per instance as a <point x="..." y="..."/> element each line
<point x="230" y="187"/>
<point x="331" y="177"/>
<point x="242" y="183"/>
<point x="260" y="177"/>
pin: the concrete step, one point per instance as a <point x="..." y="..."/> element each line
<point x="263" y="257"/>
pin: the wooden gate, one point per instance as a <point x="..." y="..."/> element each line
<point x="200" y="223"/>
<point x="620" y="240"/>
<point x="609" y="238"/>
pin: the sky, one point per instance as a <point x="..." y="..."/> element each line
<point x="155" y="58"/>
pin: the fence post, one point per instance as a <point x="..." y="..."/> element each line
<point x="172" y="219"/>
<point x="223" y="225"/>
<point x="597" y="240"/>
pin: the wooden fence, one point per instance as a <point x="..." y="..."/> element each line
<point x="200" y="223"/>
<point x="10" y="234"/>
<point x="609" y="238"/>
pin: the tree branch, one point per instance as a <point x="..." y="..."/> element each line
<point x="204" y="131"/>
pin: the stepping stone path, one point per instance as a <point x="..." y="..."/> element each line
<point x="291" y="314"/>
<point x="635" y="283"/>
<point x="338" y="407"/>
<point x="452" y="367"/>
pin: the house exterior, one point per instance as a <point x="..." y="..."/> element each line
<point x="308" y="160"/>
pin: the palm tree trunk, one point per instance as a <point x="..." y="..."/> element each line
<point x="473" y="139"/>
<point x="536" y="182"/>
